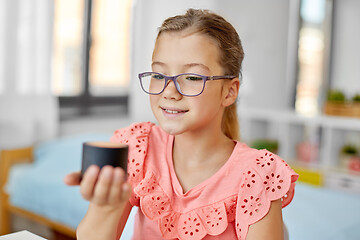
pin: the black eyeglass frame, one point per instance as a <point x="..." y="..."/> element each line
<point x="173" y="78"/>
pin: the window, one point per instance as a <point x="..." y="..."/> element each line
<point x="314" y="45"/>
<point x="91" y="54"/>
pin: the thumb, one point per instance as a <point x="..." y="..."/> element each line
<point x="72" y="179"/>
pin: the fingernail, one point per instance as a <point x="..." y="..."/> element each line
<point x="92" y="170"/>
<point x="106" y="173"/>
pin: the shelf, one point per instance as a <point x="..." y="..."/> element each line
<point x="329" y="133"/>
<point x="346" y="123"/>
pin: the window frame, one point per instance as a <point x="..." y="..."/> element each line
<point x="84" y="102"/>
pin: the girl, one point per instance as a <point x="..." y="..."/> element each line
<point x="189" y="175"/>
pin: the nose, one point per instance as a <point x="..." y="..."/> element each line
<point x="171" y="92"/>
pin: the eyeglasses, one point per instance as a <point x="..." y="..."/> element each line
<point x="187" y="84"/>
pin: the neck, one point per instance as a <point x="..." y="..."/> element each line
<point x="198" y="156"/>
<point x="201" y="147"/>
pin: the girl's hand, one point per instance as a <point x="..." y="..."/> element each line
<point x="102" y="187"/>
<point x="105" y="187"/>
<point x="109" y="208"/>
<point x="73" y="179"/>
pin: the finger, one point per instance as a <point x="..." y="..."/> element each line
<point x="72" y="179"/>
<point x="102" y="188"/>
<point x="116" y="186"/>
<point x="88" y="182"/>
<point x="126" y="191"/>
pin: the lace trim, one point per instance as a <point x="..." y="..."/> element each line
<point x="269" y="178"/>
<point x="245" y="208"/>
<point x="196" y="224"/>
<point x="136" y="136"/>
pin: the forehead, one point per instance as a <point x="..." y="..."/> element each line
<point x="181" y="49"/>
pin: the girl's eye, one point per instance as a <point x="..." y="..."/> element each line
<point x="193" y="78"/>
<point x="158" y="76"/>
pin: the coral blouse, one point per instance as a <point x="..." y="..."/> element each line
<point x="222" y="207"/>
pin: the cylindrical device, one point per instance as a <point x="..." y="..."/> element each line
<point x="104" y="153"/>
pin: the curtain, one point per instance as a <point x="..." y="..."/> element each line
<point x="28" y="110"/>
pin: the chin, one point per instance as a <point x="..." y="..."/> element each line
<point x="172" y="128"/>
<point x="172" y="131"/>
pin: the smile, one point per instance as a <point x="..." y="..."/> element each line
<point x="173" y="111"/>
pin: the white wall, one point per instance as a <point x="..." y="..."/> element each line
<point x="262" y="26"/>
<point x="27" y="119"/>
<point x="346" y="47"/>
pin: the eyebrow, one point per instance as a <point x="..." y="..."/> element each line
<point x="158" y="63"/>
<point x="197" y="65"/>
<point x="189" y="65"/>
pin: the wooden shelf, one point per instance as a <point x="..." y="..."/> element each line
<point x="342" y="109"/>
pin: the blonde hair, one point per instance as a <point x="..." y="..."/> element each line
<point x="231" y="51"/>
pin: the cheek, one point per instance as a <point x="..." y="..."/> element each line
<point x="209" y="102"/>
<point x="213" y="95"/>
<point x="153" y="101"/>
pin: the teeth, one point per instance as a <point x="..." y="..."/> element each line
<point x="170" y="111"/>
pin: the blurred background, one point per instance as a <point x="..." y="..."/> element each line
<point x="69" y="68"/>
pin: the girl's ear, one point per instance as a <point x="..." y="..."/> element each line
<point x="231" y="91"/>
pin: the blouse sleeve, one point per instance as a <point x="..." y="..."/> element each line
<point x="267" y="178"/>
<point x="136" y="136"/>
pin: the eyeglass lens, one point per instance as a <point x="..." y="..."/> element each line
<point x="187" y="84"/>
